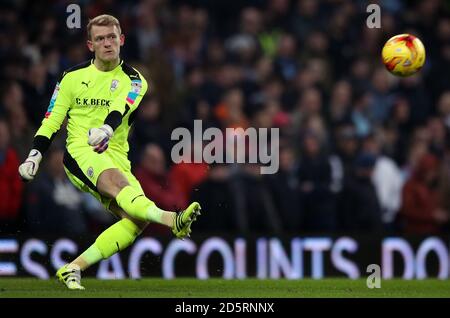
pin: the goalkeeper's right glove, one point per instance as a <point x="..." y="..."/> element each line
<point x="28" y="169"/>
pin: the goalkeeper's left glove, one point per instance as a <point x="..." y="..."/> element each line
<point x="99" y="138"/>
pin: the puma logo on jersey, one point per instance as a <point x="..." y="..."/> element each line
<point x="86" y="83"/>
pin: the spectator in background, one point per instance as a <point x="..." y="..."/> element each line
<point x="255" y="208"/>
<point x="230" y="111"/>
<point x="284" y="189"/>
<point x="443" y="107"/>
<point x="245" y="44"/>
<point x="54" y="205"/>
<point x="387" y="179"/>
<point x="420" y="212"/>
<point x="382" y="97"/>
<point x="360" y="71"/>
<point x="285" y="61"/>
<point x="305" y="18"/>
<point x="148" y="128"/>
<point x="361" y="114"/>
<point x="437" y="135"/>
<point x="37" y="93"/>
<point x="314" y="176"/>
<point x="277" y="13"/>
<point x="359" y="208"/>
<point x="12" y="96"/>
<point x="23" y="132"/>
<point x="346" y="146"/>
<point x="338" y="109"/>
<point x="10" y="183"/>
<point x="444" y="187"/>
<point x="215" y="194"/>
<point x="308" y="105"/>
<point x="397" y="130"/>
<point x="419" y="146"/>
<point x="341" y="34"/>
<point x="148" y="31"/>
<point x="188" y="174"/>
<point x="413" y="89"/>
<point x="321" y="72"/>
<point x="156" y="182"/>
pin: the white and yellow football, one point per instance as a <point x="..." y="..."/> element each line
<point x="403" y="55"/>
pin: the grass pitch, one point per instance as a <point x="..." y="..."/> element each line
<point x="218" y="288"/>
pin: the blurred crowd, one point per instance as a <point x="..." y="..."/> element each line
<point x="361" y="151"/>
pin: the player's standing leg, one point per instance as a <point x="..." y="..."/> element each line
<point x="114" y="239"/>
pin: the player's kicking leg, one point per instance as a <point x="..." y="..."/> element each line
<point x="129" y="196"/>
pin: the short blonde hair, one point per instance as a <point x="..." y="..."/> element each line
<point x="103" y="20"/>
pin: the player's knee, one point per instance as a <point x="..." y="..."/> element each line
<point x="111" y="182"/>
<point x="121" y="183"/>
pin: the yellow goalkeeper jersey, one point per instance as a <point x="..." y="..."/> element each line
<point x="86" y="96"/>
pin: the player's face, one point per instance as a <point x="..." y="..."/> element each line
<point x="105" y="42"/>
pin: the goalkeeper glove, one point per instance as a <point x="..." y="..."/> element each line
<point x="28" y="169"/>
<point x="99" y="138"/>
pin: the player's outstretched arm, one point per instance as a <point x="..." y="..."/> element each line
<point x="54" y="117"/>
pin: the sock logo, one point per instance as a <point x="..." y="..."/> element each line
<point x="141" y="195"/>
<point x="90" y="172"/>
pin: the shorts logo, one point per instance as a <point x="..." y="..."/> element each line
<point x="114" y="85"/>
<point x="90" y="172"/>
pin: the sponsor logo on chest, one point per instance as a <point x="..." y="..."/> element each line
<point x="93" y="102"/>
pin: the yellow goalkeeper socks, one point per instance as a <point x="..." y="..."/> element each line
<point x="114" y="239"/>
<point x="139" y="206"/>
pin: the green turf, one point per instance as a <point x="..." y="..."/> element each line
<point x="28" y="287"/>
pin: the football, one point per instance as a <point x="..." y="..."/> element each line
<point x="403" y="55"/>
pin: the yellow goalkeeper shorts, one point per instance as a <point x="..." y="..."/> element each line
<point x="83" y="166"/>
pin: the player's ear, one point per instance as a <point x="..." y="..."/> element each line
<point x="90" y="45"/>
<point x="122" y="39"/>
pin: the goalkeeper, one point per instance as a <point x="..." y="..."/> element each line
<point x="100" y="98"/>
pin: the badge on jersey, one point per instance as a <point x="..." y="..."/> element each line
<point x="90" y="172"/>
<point x="136" y="87"/>
<point x="52" y="101"/>
<point x="114" y="85"/>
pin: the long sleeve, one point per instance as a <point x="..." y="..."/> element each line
<point x="55" y="115"/>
